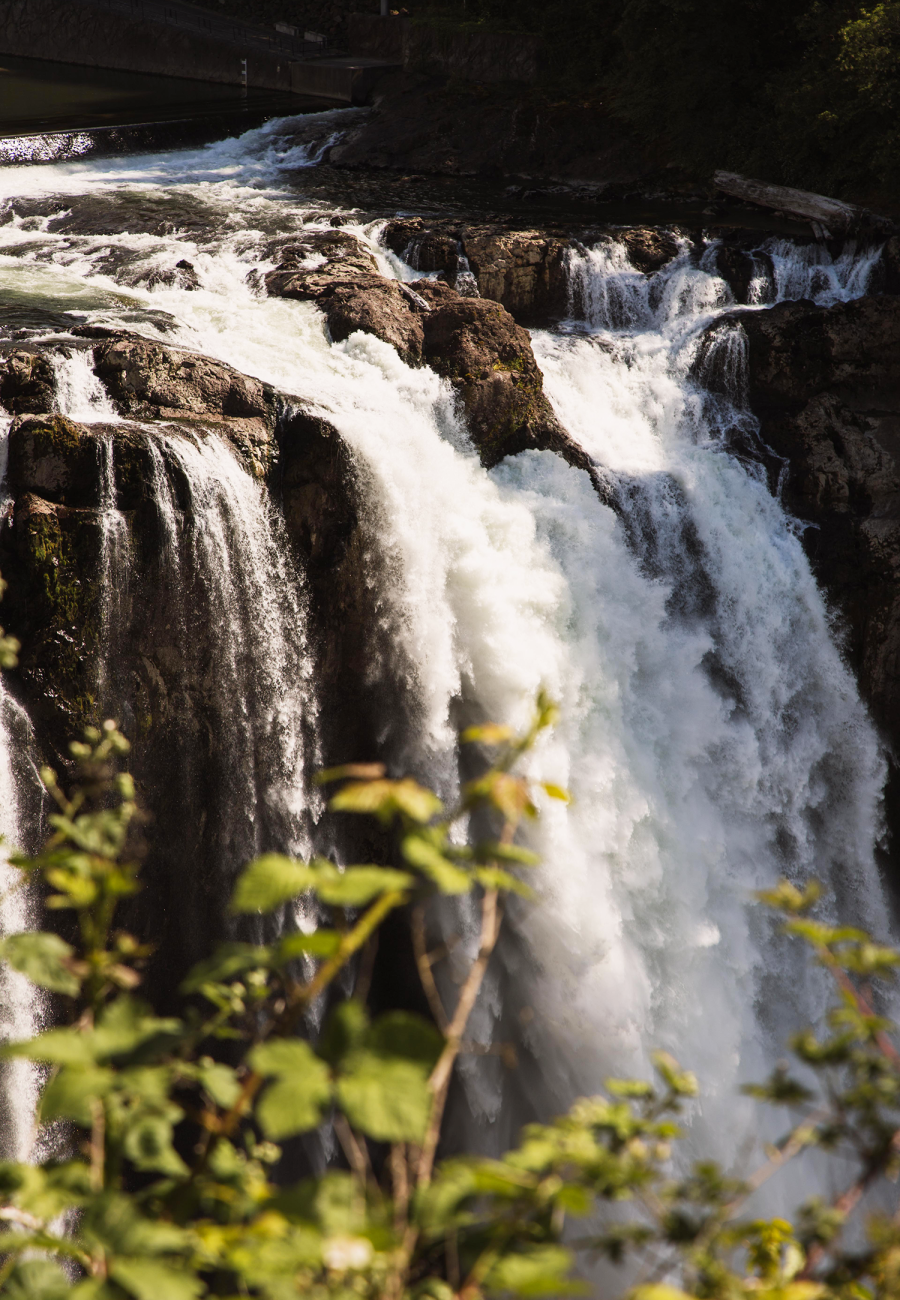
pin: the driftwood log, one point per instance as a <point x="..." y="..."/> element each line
<point x="828" y="217"/>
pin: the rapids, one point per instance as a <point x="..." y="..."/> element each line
<point x="711" y="735"/>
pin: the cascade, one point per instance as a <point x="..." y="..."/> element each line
<point x="711" y="735"/>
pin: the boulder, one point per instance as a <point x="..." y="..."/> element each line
<point x="149" y="380"/>
<point x="476" y="344"/>
<point x="522" y="269"/>
<point x="27" y="382"/>
<point x="473" y="342"/>
<point x="336" y="272"/>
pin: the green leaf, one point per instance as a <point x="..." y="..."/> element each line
<point x="228" y="962"/>
<point x="544" y="1270"/>
<point x="493" y="849"/>
<point x="387" y="1099"/>
<point x="786" y="897"/>
<point x="355" y="886"/>
<point x="148" y="1145"/>
<point x="344" y="1031"/>
<point x="302" y="1087"/>
<point x="270" y="881"/>
<point x="638" y="1088"/>
<point x="36" y="1279"/>
<point x="385" y="799"/>
<point x="42" y="957"/>
<point x="127" y="1028"/>
<point x="56" y="1047"/>
<point x="321" y="943"/>
<point x="220" y="1081"/>
<point x="449" y="878"/>
<point x="148" y="1279"/>
<point x="497" y="878"/>
<point x="68" y="1094"/>
<point x="488" y="733"/>
<point x="404" y="1034"/>
<point x="658" y="1291"/>
<point x="681" y="1082"/>
<point x="556" y="791"/>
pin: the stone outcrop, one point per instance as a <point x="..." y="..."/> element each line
<point x="525" y="270"/>
<point x="825" y="384"/>
<point x="151" y="381"/>
<point x="522" y="269"/>
<point x="27" y="382"/>
<point x="418" y="125"/>
<point x="336" y="272"/>
<point x="473" y="342"/>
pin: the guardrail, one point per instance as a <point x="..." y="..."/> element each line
<point x="227" y="31"/>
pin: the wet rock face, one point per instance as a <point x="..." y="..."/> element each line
<point x="336" y="272"/>
<point x="473" y="342"/>
<point x="51" y="551"/>
<point x="27" y="382"/>
<point x="147" y="380"/>
<point x="825" y="383"/>
<point x="522" y="269"/>
<point x="476" y="344"/>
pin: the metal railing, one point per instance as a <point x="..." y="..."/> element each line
<point x="226" y="31"/>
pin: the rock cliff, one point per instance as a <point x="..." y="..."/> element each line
<point x="825" y="384"/>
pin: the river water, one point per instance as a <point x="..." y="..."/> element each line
<point x="712" y="737"/>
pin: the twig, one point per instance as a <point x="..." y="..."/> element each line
<point x="366" y="969"/>
<point x="400" y="1184"/>
<point x="491" y="915"/>
<point x="424" y="964"/>
<point x="356" y="1153"/>
<point x="98" y="1143"/>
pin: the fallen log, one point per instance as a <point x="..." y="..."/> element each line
<point x="828" y="217"/>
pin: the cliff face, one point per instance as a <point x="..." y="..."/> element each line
<point x="825" y="384"/>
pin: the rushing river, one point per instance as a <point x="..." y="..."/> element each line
<point x="711" y="735"/>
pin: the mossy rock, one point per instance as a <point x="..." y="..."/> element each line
<point x="55" y="601"/>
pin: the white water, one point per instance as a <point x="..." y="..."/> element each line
<point x="235" y="610"/>
<point x="711" y="736"/>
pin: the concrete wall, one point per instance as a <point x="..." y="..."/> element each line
<point x="471" y="56"/>
<point x="93" y="36"/>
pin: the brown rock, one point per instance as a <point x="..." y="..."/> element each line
<point x="649" y="248"/>
<point x="149" y="380"/>
<point x="348" y="289"/>
<point x="27" y="382"/>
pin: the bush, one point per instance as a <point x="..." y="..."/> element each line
<point x="166" y="1180"/>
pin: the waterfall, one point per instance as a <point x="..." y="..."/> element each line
<point x="711" y="735"/>
<point x="22" y="1006"/>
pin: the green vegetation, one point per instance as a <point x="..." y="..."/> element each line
<point x="160" y="1173"/>
<point x="805" y="92"/>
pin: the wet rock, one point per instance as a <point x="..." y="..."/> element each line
<point x="53" y="605"/>
<point x="473" y="342"/>
<point x="825" y="384"/>
<point x="55" y="458"/>
<point x="336" y="272"/>
<point x="181" y="276"/>
<point x="27" y="382"/>
<point x="649" y="248"/>
<point x="424" y="247"/>
<point x="522" y="269"/>
<point x="739" y="268"/>
<point x="122" y="213"/>
<point x="149" y="380"/>
<point x="476" y="344"/>
<point x="886" y="277"/>
<point x="525" y="270"/>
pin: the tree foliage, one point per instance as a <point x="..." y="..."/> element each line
<point x="162" y="1173"/>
